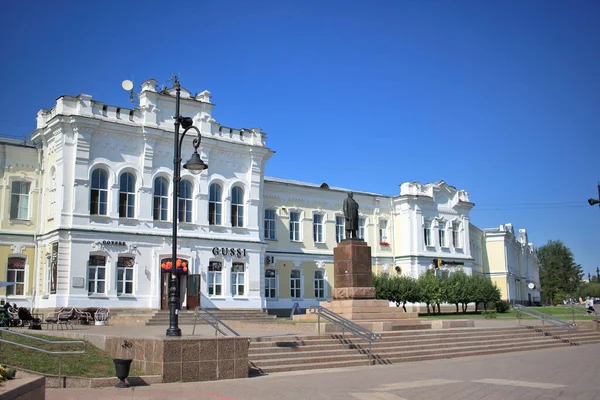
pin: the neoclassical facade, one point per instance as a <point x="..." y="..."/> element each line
<point x="98" y="227"/>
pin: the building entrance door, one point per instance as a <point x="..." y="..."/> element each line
<point x="164" y="291"/>
<point x="193" y="291"/>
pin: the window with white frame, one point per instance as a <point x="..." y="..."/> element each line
<point x="161" y="199"/>
<point x="319" y="284"/>
<point x="361" y="228"/>
<point x="270" y="218"/>
<point x="295" y="226"/>
<point x="442" y="234"/>
<point x="125" y="275"/>
<point x="127" y="195"/>
<point x="215" y="278"/>
<point x="16" y="273"/>
<point x="19" y="201"/>
<point x="427" y="234"/>
<point x="185" y="201"/>
<point x="97" y="275"/>
<point x="456" y="235"/>
<point x="237" y="206"/>
<point x="99" y="192"/>
<point x="215" y="204"/>
<point x="270" y="284"/>
<point x="340" y="232"/>
<point x="295" y="284"/>
<point x="237" y="279"/>
<point x="318" y="228"/>
<point x="383" y="231"/>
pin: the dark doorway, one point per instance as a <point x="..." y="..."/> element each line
<point x="193" y="291"/>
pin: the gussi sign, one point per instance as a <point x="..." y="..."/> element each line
<point x="229" y="251"/>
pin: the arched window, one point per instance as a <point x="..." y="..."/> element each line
<point x="185" y="201"/>
<point x="127" y="195"/>
<point x="161" y="199"/>
<point x="215" y="204"/>
<point x="237" y="206"/>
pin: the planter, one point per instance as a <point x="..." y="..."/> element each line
<point x="122" y="367"/>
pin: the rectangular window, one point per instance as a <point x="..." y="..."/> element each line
<point x="215" y="282"/>
<point x="237" y="279"/>
<point x="427" y="234"/>
<point x="270" y="224"/>
<point x="98" y="204"/>
<point x="295" y="226"/>
<point x="16" y="273"/>
<point x="318" y="228"/>
<point x="340" y="232"/>
<point x="185" y="210"/>
<point x="97" y="275"/>
<point x="270" y="284"/>
<point x="442" y="234"/>
<point x="319" y="284"/>
<point x="19" y="203"/>
<point x="361" y="228"/>
<point x="126" y="205"/>
<point x="295" y="288"/>
<point x="125" y="275"/>
<point x="455" y="236"/>
<point x="383" y="231"/>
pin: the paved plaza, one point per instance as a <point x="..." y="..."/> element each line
<point x="571" y="373"/>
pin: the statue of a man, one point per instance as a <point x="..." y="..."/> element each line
<point x="351" y="216"/>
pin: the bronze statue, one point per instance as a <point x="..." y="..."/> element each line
<point x="351" y="216"/>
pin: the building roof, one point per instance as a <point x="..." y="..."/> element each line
<point x="324" y="186"/>
<point x="16" y="142"/>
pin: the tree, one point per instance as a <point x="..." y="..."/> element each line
<point x="558" y="270"/>
<point x="398" y="289"/>
<point x="430" y="289"/>
<point x="456" y="289"/>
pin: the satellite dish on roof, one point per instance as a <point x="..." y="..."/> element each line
<point x="127" y="84"/>
<point x="531" y="285"/>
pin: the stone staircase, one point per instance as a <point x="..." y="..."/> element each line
<point x="187" y="317"/>
<point x="279" y="354"/>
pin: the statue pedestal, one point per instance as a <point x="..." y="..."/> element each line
<point x="353" y="277"/>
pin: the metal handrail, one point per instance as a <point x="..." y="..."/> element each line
<point x="57" y="353"/>
<point x="346" y="325"/>
<point x="213" y="321"/>
<point x="582" y="310"/>
<point x="542" y="317"/>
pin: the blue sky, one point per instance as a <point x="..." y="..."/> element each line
<point x="501" y="98"/>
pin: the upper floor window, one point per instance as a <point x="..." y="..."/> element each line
<point x="237" y="279"/>
<point x="318" y="228"/>
<point x="361" y="228"/>
<point x="319" y="284"/>
<point x="185" y="201"/>
<point x="340" y="232"/>
<point x="215" y="204"/>
<point x="237" y="206"/>
<point x="442" y="234"/>
<point x="456" y="235"/>
<point x="427" y="234"/>
<point x="161" y="199"/>
<point x="383" y="231"/>
<point x="16" y="273"/>
<point x="270" y="224"/>
<point x="295" y="226"/>
<point x="270" y="283"/>
<point x="99" y="194"/>
<point x="127" y="195"/>
<point x="19" y="202"/>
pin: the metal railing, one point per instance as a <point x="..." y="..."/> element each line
<point x="346" y="325"/>
<point x="576" y="308"/>
<point x="212" y="320"/>
<point x="542" y="317"/>
<point x="59" y="353"/>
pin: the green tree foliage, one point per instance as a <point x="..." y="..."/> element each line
<point x="456" y="289"/>
<point x="431" y="290"/>
<point x="558" y="270"/>
<point x="398" y="289"/>
<point x="589" y="289"/>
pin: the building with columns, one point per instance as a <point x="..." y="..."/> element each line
<point x="98" y="227"/>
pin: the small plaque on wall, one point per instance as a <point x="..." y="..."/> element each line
<point x="254" y="285"/>
<point x="78" y="282"/>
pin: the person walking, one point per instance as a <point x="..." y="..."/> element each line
<point x="590" y="305"/>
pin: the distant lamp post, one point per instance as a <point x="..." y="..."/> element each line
<point x="593" y="202"/>
<point x="598" y="274"/>
<point x="589" y="277"/>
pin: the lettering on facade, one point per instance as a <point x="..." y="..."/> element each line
<point x="269" y="260"/>
<point x="229" y="251"/>
<point x="113" y="243"/>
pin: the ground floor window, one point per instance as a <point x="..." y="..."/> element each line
<point x="319" y="284"/>
<point x="270" y="284"/>
<point x="295" y="285"/>
<point x="97" y="275"/>
<point x="237" y="279"/>
<point x="215" y="281"/>
<point x="125" y="275"/>
<point x="16" y="273"/>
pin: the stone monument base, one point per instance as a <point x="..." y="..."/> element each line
<point x="354" y="293"/>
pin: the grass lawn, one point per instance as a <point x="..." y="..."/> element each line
<point x="94" y="363"/>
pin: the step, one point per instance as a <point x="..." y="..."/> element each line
<point x="303" y="367"/>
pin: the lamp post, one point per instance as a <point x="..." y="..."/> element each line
<point x="595" y="201"/>
<point x="195" y="165"/>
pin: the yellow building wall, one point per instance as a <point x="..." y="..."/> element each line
<point x="495" y="256"/>
<point x="501" y="283"/>
<point x="5" y="251"/>
<point x="28" y="251"/>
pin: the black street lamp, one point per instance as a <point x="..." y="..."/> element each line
<point x="595" y="201"/>
<point x="195" y="165"/>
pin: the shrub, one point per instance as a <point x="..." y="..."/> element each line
<point x="502" y="306"/>
<point x="7" y="373"/>
<point x="490" y="315"/>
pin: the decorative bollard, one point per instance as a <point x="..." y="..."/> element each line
<point x="122" y="367"/>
